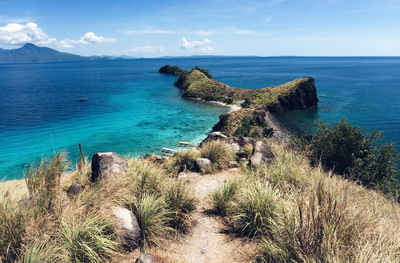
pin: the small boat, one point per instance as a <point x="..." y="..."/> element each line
<point x="168" y="151"/>
<point x="183" y="144"/>
<point x="83" y="99"/>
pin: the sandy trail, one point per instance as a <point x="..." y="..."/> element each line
<point x="206" y="242"/>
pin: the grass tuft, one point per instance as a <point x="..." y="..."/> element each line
<point x="182" y="161"/>
<point x="219" y="153"/>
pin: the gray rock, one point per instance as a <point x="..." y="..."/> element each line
<point x="215" y="136"/>
<point x="242" y="141"/>
<point x="235" y="147"/>
<point x="146" y="258"/>
<point x="128" y="227"/>
<point x="107" y="164"/>
<point x="202" y="163"/>
<point x="262" y="154"/>
<point x="74" y="189"/>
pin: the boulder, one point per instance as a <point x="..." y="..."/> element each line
<point x="74" y="189"/>
<point x="215" y="136"/>
<point x="235" y="147"/>
<point x="146" y="258"/>
<point x="242" y="141"/>
<point x="128" y="227"/>
<point x="107" y="164"/>
<point x="262" y="154"/>
<point x="202" y="164"/>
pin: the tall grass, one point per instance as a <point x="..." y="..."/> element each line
<point x="223" y="199"/>
<point x="39" y="251"/>
<point x="219" y="153"/>
<point x="180" y="203"/>
<point x="182" y="161"/>
<point x="257" y="211"/>
<point x="43" y="180"/>
<point x="153" y="218"/>
<point x="89" y="238"/>
<point x="13" y="220"/>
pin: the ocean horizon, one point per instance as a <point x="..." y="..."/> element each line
<point x="131" y="109"/>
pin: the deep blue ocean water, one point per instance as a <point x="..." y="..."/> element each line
<point x="131" y="109"/>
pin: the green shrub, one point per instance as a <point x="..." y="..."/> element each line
<point x="219" y="153"/>
<point x="182" y="161"/>
<point x="153" y="218"/>
<point x="13" y="221"/>
<point x="87" y="239"/>
<point x="180" y="203"/>
<point x="244" y="128"/>
<point x="246" y="103"/>
<point x="344" y="149"/>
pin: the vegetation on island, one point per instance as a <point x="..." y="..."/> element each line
<point x="171" y="70"/>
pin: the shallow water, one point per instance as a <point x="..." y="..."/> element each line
<point x="131" y="109"/>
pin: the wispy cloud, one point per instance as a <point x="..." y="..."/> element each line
<point x="245" y="32"/>
<point x="149" y="31"/>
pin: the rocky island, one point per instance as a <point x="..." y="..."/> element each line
<point x="251" y="119"/>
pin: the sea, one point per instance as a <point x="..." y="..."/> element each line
<point x="126" y="106"/>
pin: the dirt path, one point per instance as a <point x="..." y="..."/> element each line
<point x="206" y="242"/>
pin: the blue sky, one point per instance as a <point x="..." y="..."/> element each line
<point x="218" y="27"/>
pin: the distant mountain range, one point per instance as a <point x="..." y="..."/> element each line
<point x="32" y="53"/>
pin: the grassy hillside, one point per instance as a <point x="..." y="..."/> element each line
<point x="288" y="210"/>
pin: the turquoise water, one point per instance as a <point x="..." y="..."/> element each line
<point x="131" y="109"/>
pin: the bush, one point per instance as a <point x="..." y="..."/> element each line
<point x="246" y="103"/>
<point x="244" y="129"/>
<point x="344" y="149"/>
<point x="153" y="218"/>
<point x="182" y="161"/>
<point x="180" y="202"/>
<point x="87" y="239"/>
<point x="12" y="229"/>
<point x="219" y="153"/>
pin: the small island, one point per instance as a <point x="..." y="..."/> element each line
<point x="256" y="104"/>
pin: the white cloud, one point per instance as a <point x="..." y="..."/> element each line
<point x="91" y="38"/>
<point x="201" y="45"/>
<point x="16" y="34"/>
<point x="147" y="49"/>
<point x="245" y="32"/>
<point x="206" y="33"/>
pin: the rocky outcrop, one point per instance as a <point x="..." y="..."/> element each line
<point x="171" y="70"/>
<point x="146" y="258"/>
<point x="202" y="164"/>
<point x="74" y="190"/>
<point x="262" y="154"/>
<point x="107" y="164"/>
<point x="128" y="227"/>
<point x="214" y="136"/>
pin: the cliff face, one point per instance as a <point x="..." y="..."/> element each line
<point x="295" y="95"/>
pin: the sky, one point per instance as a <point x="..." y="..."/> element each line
<point x="205" y="27"/>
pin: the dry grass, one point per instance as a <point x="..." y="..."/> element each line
<point x="311" y="215"/>
<point x="219" y="153"/>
